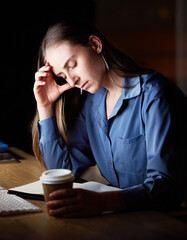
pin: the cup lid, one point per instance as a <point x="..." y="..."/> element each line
<point x="56" y="175"/>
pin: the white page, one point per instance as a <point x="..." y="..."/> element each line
<point x="36" y="187"/>
<point x="95" y="186"/>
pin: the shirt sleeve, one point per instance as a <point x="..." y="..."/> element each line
<point x="77" y="156"/>
<point x="163" y="117"/>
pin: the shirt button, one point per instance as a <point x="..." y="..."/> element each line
<point x="110" y="162"/>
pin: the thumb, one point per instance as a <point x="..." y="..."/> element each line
<point x="65" y="87"/>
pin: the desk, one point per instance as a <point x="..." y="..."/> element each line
<point x="38" y="226"/>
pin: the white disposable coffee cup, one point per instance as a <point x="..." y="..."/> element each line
<point x="55" y="179"/>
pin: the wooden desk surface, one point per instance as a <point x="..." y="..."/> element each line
<point x="131" y="225"/>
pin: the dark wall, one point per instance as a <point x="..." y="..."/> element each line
<point x="22" y="28"/>
<point x="143" y="29"/>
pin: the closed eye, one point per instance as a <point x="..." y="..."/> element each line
<point x="73" y="66"/>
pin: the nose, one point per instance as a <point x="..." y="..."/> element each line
<point x="72" y="80"/>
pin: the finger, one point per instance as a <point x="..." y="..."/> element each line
<point x="39" y="83"/>
<point x="65" y="87"/>
<point x="63" y="193"/>
<point x="40" y="75"/>
<point x="68" y="210"/>
<point x="45" y="68"/>
<point x="37" y="86"/>
<point x="61" y="203"/>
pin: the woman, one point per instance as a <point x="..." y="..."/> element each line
<point x="129" y="121"/>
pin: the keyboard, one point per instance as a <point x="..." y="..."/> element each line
<point x="12" y="204"/>
<point x="7" y="157"/>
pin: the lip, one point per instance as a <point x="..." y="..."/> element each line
<point x="84" y="85"/>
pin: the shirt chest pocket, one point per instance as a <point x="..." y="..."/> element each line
<point x="131" y="155"/>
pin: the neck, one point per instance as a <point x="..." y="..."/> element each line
<point x="113" y="83"/>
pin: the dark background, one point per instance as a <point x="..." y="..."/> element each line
<point x="22" y="29"/>
<point x="144" y="29"/>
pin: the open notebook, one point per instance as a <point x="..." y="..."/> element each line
<point x="35" y="191"/>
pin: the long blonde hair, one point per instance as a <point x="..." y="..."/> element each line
<point x="65" y="109"/>
<point x="69" y="104"/>
<point x="59" y="113"/>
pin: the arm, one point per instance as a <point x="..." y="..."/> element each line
<point x="47" y="91"/>
<point x="79" y="202"/>
<point x="54" y="152"/>
<point x="77" y="156"/>
<point x="163" y="114"/>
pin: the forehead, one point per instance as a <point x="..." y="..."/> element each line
<point x="58" y="55"/>
<point x="55" y="53"/>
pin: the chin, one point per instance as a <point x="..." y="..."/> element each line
<point x="93" y="90"/>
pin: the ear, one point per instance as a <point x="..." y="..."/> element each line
<point x="95" y="43"/>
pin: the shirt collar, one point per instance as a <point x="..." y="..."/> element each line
<point x="131" y="87"/>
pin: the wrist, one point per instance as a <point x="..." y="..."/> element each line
<point x="45" y="112"/>
<point x="112" y="201"/>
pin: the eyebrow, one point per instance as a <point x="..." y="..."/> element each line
<point x="66" y="63"/>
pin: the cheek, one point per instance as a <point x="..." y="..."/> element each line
<point x="92" y="67"/>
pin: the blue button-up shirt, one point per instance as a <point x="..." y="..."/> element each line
<point x="140" y="148"/>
